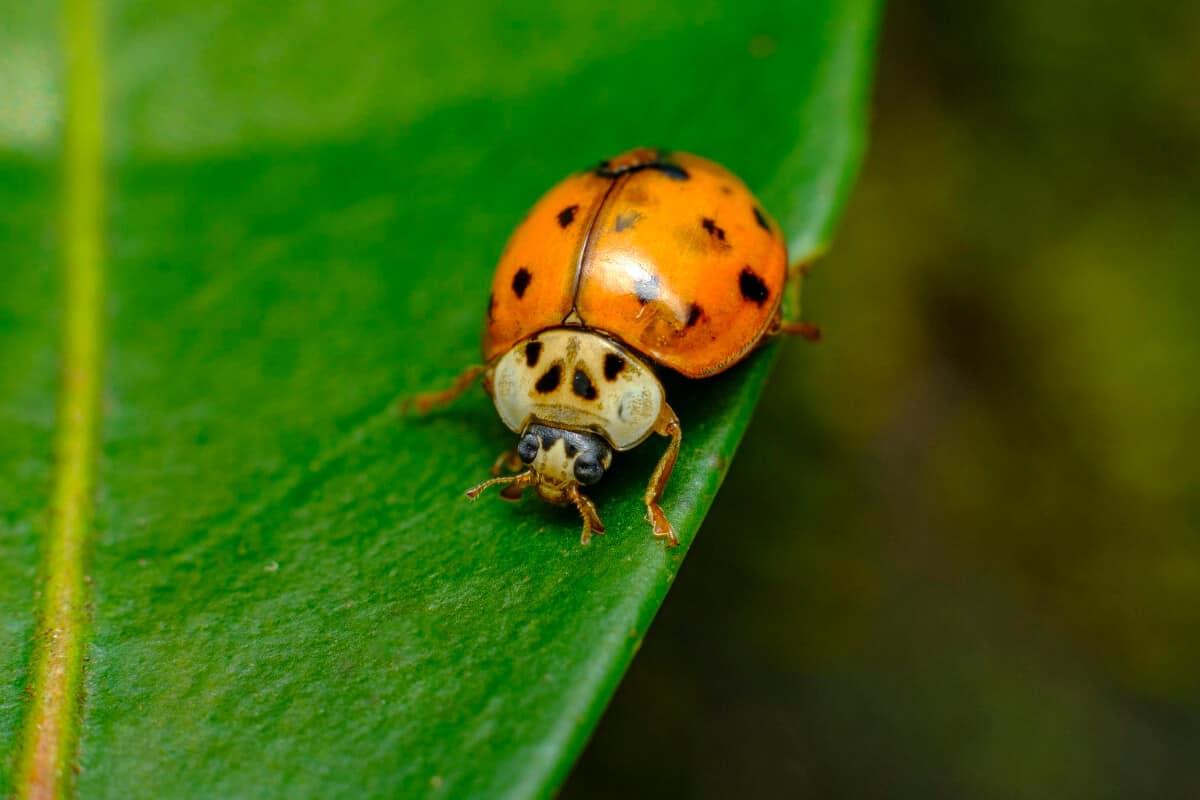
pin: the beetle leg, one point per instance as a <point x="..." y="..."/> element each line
<point x="798" y="270"/>
<point x="512" y="493"/>
<point x="425" y="402"/>
<point x="662" y="473"/>
<point x="587" y="510"/>
<point x="508" y="461"/>
<point x="513" y="486"/>
<point x="806" y="330"/>
<point x="794" y="327"/>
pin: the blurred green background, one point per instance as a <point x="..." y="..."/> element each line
<point x="957" y="553"/>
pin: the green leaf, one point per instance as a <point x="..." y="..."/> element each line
<point x="289" y="594"/>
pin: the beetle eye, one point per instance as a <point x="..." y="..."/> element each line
<point x="588" y="470"/>
<point x="527" y="448"/>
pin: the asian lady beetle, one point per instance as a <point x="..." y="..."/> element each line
<point x="649" y="259"/>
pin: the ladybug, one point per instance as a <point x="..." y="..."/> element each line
<point x="651" y="260"/>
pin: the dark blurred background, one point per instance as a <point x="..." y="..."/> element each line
<point x="957" y="554"/>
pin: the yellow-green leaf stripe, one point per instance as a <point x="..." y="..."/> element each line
<point x="47" y="744"/>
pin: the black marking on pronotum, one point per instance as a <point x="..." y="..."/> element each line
<point x="533" y="351"/>
<point x="713" y="228"/>
<point x="571" y="447"/>
<point x="752" y="286"/>
<point x="646" y="289"/>
<point x="520" y="282"/>
<point x="626" y="220"/>
<point x="694" y="315"/>
<point x="567" y="216"/>
<point x="581" y="384"/>
<point x="761" y="219"/>
<point x="613" y="364"/>
<point x="549" y="380"/>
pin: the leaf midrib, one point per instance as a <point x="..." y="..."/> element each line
<point x="47" y="740"/>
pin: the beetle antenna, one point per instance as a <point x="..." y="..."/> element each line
<point x="519" y="483"/>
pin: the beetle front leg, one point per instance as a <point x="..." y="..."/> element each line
<point x="668" y="426"/>
<point x="587" y="510"/>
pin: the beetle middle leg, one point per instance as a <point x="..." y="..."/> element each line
<point x="425" y="402"/>
<point x="668" y="426"/>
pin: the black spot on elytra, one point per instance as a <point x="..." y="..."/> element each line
<point x="581" y="384"/>
<point x="626" y="220"/>
<point x="713" y="229"/>
<point x="726" y="190"/>
<point x="646" y="289"/>
<point x="613" y="364"/>
<point x="761" y="219"/>
<point x="567" y="216"/>
<point x="694" y="315"/>
<point x="491" y="306"/>
<point x="520" y="282"/>
<point x="549" y="380"/>
<point x="752" y="286"/>
<point x="533" y="351"/>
